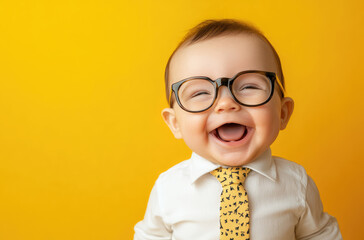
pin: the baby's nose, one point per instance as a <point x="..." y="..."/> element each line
<point x="225" y="101"/>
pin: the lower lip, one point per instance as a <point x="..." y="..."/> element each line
<point x="233" y="144"/>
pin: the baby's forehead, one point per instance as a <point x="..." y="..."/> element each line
<point x="222" y="56"/>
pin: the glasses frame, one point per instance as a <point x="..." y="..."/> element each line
<point x="227" y="82"/>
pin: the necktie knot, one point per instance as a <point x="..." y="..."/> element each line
<point x="231" y="175"/>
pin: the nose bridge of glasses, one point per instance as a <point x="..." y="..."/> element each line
<point x="224" y="81"/>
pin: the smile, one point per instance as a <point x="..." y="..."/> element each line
<point x="230" y="132"/>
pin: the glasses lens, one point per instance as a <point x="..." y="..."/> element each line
<point x="196" y="94"/>
<point x="252" y="88"/>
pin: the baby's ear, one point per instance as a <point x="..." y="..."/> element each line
<point x="287" y="105"/>
<point x="169" y="116"/>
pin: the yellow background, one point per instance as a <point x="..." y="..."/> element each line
<point x="81" y="90"/>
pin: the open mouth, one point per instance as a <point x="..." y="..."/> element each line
<point x="230" y="132"/>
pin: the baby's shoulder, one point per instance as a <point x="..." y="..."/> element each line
<point x="288" y="165"/>
<point x="290" y="171"/>
<point x="177" y="172"/>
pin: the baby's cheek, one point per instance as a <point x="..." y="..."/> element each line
<point x="190" y="131"/>
<point x="268" y="124"/>
<point x="195" y="136"/>
<point x="273" y="127"/>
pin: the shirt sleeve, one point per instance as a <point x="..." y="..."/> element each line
<point x="314" y="224"/>
<point x="153" y="226"/>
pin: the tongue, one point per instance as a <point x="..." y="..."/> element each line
<point x="231" y="132"/>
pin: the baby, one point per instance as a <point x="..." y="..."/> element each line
<point x="225" y="87"/>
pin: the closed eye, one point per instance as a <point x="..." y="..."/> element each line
<point x="249" y="87"/>
<point x="199" y="94"/>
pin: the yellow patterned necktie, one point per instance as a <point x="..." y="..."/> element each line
<point x="234" y="210"/>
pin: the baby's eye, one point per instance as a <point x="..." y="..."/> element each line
<point x="247" y="87"/>
<point x="200" y="93"/>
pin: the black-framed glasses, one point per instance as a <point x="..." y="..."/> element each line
<point x="249" y="88"/>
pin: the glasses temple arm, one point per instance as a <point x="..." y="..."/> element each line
<point x="281" y="86"/>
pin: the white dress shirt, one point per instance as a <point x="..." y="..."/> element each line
<point x="284" y="203"/>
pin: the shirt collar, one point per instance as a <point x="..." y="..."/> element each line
<point x="263" y="165"/>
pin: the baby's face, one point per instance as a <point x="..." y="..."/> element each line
<point x="211" y="133"/>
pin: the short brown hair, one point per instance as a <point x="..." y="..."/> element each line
<point x="212" y="28"/>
